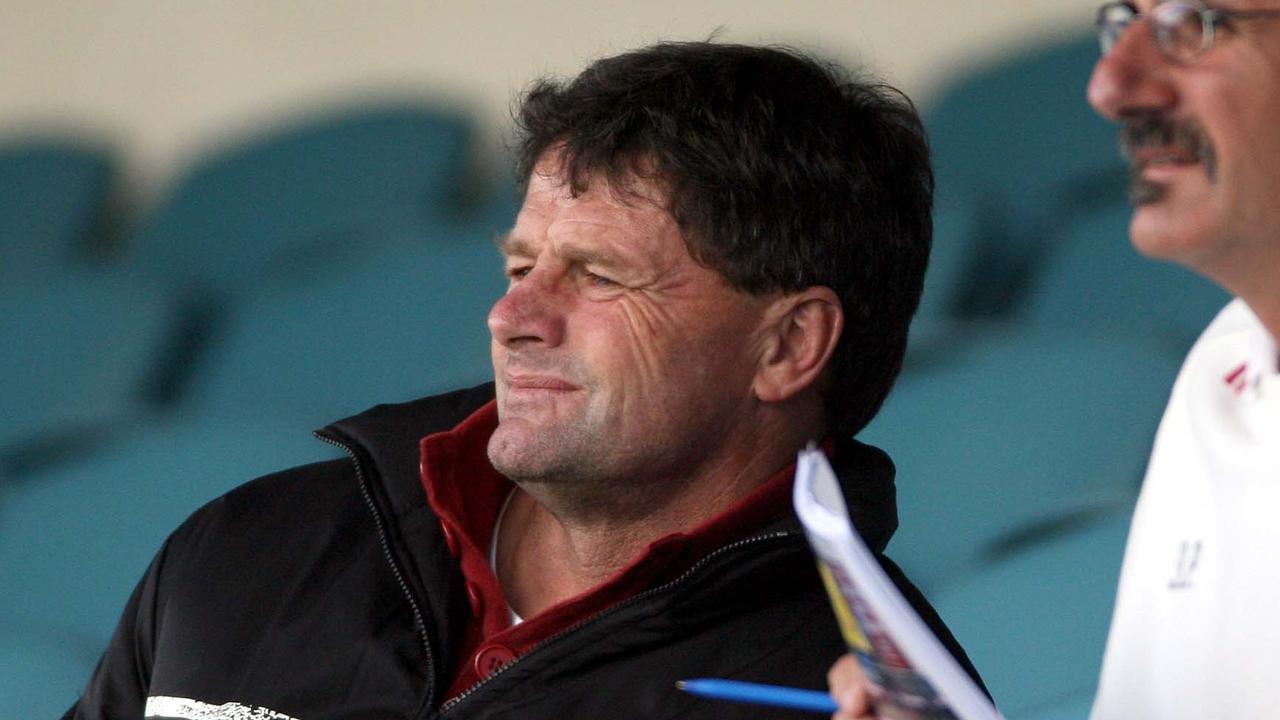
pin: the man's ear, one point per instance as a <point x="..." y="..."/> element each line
<point x="801" y="332"/>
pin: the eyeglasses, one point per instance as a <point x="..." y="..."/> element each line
<point x="1183" y="29"/>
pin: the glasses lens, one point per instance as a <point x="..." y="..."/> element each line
<point x="1113" y="18"/>
<point x="1179" y="28"/>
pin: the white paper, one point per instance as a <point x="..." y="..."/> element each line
<point x="896" y="649"/>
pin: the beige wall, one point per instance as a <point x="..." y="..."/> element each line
<point x="162" y="80"/>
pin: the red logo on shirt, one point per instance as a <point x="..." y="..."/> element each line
<point x="1236" y="378"/>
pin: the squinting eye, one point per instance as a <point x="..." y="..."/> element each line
<point x="599" y="280"/>
<point x="518" y="272"/>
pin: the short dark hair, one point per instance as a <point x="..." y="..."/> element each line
<point x="784" y="173"/>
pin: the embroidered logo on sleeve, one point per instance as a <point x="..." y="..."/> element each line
<point x="176" y="708"/>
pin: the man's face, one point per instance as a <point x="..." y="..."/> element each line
<point x="616" y="356"/>
<point x="1203" y="141"/>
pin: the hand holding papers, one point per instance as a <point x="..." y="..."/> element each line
<point x="917" y="676"/>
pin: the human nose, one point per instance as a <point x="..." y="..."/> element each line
<point x="530" y="312"/>
<point x="1131" y="78"/>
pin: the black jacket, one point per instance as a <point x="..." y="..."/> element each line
<point x="327" y="591"/>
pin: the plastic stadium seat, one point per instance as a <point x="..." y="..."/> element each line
<point x="955" y="224"/>
<point x="1020" y="435"/>
<point x="53" y="198"/>
<point x="310" y="190"/>
<point x="1074" y="708"/>
<point x="41" y="673"/>
<point x="403" y="322"/>
<point x="1093" y="277"/>
<point x="406" y="322"/>
<point x="1035" y="624"/>
<point x="940" y="324"/>
<point x="73" y="544"/>
<point x="300" y="200"/>
<point x="1018" y="135"/>
<point x="76" y="354"/>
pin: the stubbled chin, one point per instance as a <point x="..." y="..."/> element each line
<point x="1160" y="231"/>
<point x="505" y="442"/>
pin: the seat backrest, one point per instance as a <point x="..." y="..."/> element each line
<point x="303" y="189"/>
<point x="76" y="539"/>
<point x="1093" y="277"/>
<point x="1018" y="135"/>
<point x="78" y="351"/>
<point x="1018" y="434"/>
<point x="1035" y="625"/>
<point x="53" y="201"/>
<point x="405" y="322"/>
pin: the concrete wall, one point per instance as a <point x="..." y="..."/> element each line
<point x="162" y="80"/>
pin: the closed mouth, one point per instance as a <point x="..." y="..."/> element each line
<point x="1165" y="156"/>
<point x="549" y="383"/>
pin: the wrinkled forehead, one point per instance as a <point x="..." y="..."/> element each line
<point x="626" y="177"/>
<point x="632" y="203"/>
<point x="550" y="185"/>
<point x="1241" y="4"/>
<point x="1144" y="6"/>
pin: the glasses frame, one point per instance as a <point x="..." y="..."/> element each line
<point x="1210" y="19"/>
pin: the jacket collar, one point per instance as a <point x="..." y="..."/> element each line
<point x="386" y="441"/>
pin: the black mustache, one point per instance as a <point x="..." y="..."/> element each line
<point x="1158" y="130"/>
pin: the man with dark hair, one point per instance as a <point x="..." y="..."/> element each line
<point x="718" y="254"/>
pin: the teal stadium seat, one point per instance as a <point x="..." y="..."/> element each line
<point x="295" y="201"/>
<point x="76" y="535"/>
<point x="78" y="354"/>
<point x="1017" y="436"/>
<point x="1092" y="277"/>
<point x="941" y="325"/>
<point x="306" y="191"/>
<point x="408" y="320"/>
<point x="54" y="199"/>
<point x="41" y="673"/>
<point x="1036" y="622"/>
<point x="74" y="543"/>
<point x="954" y="227"/>
<point x="1018" y="136"/>
<point x="404" y="321"/>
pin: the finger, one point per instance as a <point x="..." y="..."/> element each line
<point x="850" y="689"/>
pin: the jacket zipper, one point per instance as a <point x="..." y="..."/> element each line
<point x="633" y="600"/>
<point x="418" y="619"/>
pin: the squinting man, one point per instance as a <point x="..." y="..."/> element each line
<point x="718" y="255"/>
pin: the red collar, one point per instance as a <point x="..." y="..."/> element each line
<point x="467" y="494"/>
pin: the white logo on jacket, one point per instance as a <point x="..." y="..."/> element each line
<point x="176" y="708"/>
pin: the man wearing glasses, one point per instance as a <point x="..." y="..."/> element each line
<point x="1196" y="92"/>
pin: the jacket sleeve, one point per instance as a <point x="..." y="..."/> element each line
<point x="931" y="618"/>
<point x="118" y="688"/>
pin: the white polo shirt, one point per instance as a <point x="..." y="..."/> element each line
<point x="1196" y="630"/>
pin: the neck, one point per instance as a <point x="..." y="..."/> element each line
<point x="552" y="548"/>
<point x="1270" y="317"/>
<point x="1254" y="277"/>
<point x="1265" y="304"/>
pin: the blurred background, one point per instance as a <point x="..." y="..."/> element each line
<point x="223" y="224"/>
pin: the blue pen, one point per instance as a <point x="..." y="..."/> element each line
<point x="738" y="691"/>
